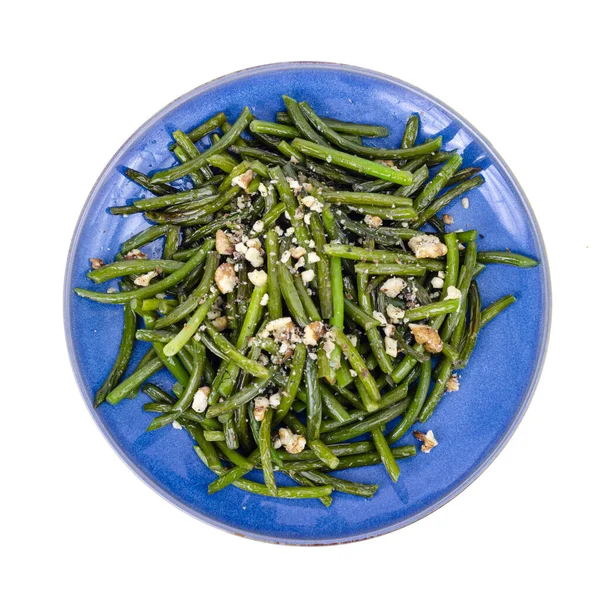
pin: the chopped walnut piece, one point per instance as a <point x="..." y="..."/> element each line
<point x="448" y="219"/>
<point x="145" y="279"/>
<point x="427" y="246"/>
<point x="373" y="222"/>
<point x="393" y="286"/>
<point x="96" y="263"/>
<point x="428" y="337"/>
<point x="261" y="403"/>
<point x="220" y="323"/>
<point x="135" y="254"/>
<point x="200" y="402"/>
<point x="427" y="439"/>
<point x="224" y="244"/>
<point x="298" y="252"/>
<point x="453" y="384"/>
<point x="244" y="179"/>
<point x="313" y="333"/>
<point x="226" y="278"/>
<point x="292" y="442"/>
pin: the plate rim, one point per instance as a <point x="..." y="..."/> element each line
<point x="476" y="471"/>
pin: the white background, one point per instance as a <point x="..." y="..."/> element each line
<point x="79" y="77"/>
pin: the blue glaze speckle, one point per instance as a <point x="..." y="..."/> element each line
<point x="471" y="426"/>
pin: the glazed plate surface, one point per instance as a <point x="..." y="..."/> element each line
<point x="471" y="426"/>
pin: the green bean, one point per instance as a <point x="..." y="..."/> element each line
<point x="132" y="267"/>
<point x="290" y="388"/>
<point x="264" y="442"/>
<point x="354" y="163"/>
<point x="144" y="237"/>
<point x="343" y="126"/>
<point x="463" y="175"/>
<point x="160" y="189"/>
<point x="365" y="198"/>
<point x="191" y="326"/>
<point x="402" y="213"/>
<point x="381" y="256"/>
<point x="290" y="295"/>
<point x="420" y="176"/>
<point x="384" y="451"/>
<point x="123" y="357"/>
<point x="506" y="258"/>
<point x="278" y="129"/>
<point x="290" y="152"/>
<point x="411" y="131"/>
<point x="357" y="363"/>
<point x="179" y="171"/>
<point x="389" y="269"/>
<point x="415" y="406"/>
<point x="134" y="380"/>
<point x="205" y="128"/>
<point x="494" y="309"/>
<point x="333" y="405"/>
<point x="206" y="194"/>
<point x="368" y="151"/>
<point x="312" y="312"/>
<point x="331" y="172"/>
<point x="433" y="188"/>
<point x="274" y="304"/>
<point x="474" y="326"/>
<point x="293" y="493"/>
<point x="323" y="267"/>
<point x="151" y="290"/>
<point x="442" y="201"/>
<point x="314" y="404"/>
<point x="434" y="309"/>
<point x="302" y="125"/>
<point x="359" y="316"/>
<point x="341" y="485"/>
<point x="171" y="242"/>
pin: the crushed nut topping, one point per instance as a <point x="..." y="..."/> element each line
<point x="394" y="313"/>
<point x="427" y="246"/>
<point x="224" y="244"/>
<point x="261" y="403"/>
<point x="393" y="286"/>
<point x="136" y="254"/>
<point x="225" y="278"/>
<point x="308" y="276"/>
<point x="448" y="219"/>
<point x="453" y="293"/>
<point x="453" y="384"/>
<point x="373" y="222"/>
<point x="428" y="440"/>
<point x="427" y="337"/>
<point x="313" y="333"/>
<point x="292" y="442"/>
<point x="96" y="263"/>
<point x="200" y="402"/>
<point x="244" y="179"/>
<point x="220" y="323"/>
<point x="258" y="278"/>
<point x="145" y="279"/>
<point x="297" y="252"/>
<point x="391" y="347"/>
<point x="254" y="257"/>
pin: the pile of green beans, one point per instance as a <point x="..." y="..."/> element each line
<point x="280" y="361"/>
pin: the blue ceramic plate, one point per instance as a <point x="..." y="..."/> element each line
<point x="471" y="426"/>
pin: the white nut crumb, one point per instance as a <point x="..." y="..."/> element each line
<point x="465" y="202"/>
<point x="253" y="243"/>
<point x="145" y="279"/>
<point x="353" y="373"/>
<point x="313" y="355"/>
<point x="297" y="252"/>
<point x="394" y="313"/>
<point x="200" y="402"/>
<point x="258" y="278"/>
<point x="261" y="403"/>
<point x="241" y="248"/>
<point x="254" y="257"/>
<point x="244" y="179"/>
<point x="313" y="257"/>
<point x="329" y="346"/>
<point x="135" y="254"/>
<point x="176" y="425"/>
<point x="373" y="222"/>
<point x="453" y="293"/>
<point x="427" y="337"/>
<point x="312" y="244"/>
<point x="289" y="231"/>
<point x="213" y="314"/>
<point x="292" y="442"/>
<point x="264" y="300"/>
<point x="393" y="286"/>
<point x="223" y="243"/>
<point x="313" y="333"/>
<point x="220" y="323"/>
<point x="278" y="326"/>
<point x="352" y="339"/>
<point x="285" y="256"/>
<point x="389" y="330"/>
<point x="300" y="263"/>
<point x="262" y="188"/>
<point x="275" y="400"/>
<point x="258" y="226"/>
<point x="97" y="263"/>
<point x="308" y="276"/>
<point x="225" y="278"/>
<point x="453" y="384"/>
<point x="427" y="439"/>
<point x="448" y="219"/>
<point x="380" y="317"/>
<point x="391" y="347"/>
<point x="427" y="246"/>
<point x="437" y="283"/>
<point x="295" y="185"/>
